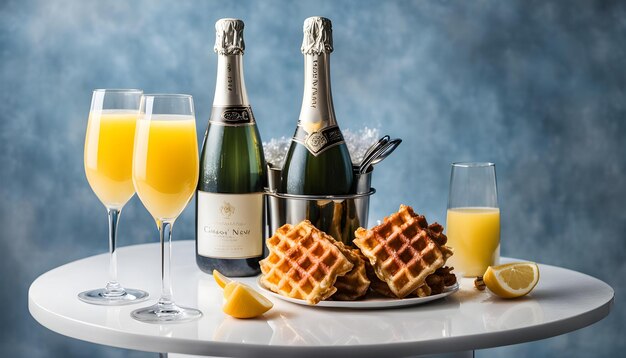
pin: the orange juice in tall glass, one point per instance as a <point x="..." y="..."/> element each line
<point x="474" y="235"/>
<point x="473" y="218"/>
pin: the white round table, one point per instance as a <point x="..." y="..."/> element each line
<point x="563" y="301"/>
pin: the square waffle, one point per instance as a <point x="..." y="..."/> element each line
<point x="355" y="283"/>
<point x="303" y="263"/>
<point x="401" y="251"/>
<point x="443" y="277"/>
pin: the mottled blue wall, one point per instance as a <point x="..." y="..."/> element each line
<point x="537" y="87"/>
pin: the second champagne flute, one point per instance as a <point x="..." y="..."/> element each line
<point x="165" y="174"/>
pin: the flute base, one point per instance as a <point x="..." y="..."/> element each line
<point x="166" y="313"/>
<point x="103" y="297"/>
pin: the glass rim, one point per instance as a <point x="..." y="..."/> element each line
<point x="473" y="164"/>
<point x="166" y="95"/>
<point x="118" y="90"/>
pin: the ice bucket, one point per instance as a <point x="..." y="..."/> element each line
<point x="337" y="215"/>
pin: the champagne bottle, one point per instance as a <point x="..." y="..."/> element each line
<point x="230" y="201"/>
<point x="318" y="161"/>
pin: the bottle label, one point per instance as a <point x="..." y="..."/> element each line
<point x="232" y="116"/>
<point x="230" y="226"/>
<point x="319" y="141"/>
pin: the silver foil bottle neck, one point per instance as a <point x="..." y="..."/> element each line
<point x="229" y="37"/>
<point x="318" y="36"/>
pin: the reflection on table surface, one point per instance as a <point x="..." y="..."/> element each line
<point x="290" y="324"/>
<point x="467" y="314"/>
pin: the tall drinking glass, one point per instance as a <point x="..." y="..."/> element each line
<point x="165" y="174"/>
<point x="108" y="157"/>
<point x="473" y="220"/>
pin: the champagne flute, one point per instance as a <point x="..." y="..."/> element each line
<point x="473" y="220"/>
<point x="108" y="157"/>
<point x="165" y="174"/>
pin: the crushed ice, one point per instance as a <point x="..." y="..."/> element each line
<point x="357" y="141"/>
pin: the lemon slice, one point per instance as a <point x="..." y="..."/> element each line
<point x="242" y="301"/>
<point x="220" y="279"/>
<point x="512" y="280"/>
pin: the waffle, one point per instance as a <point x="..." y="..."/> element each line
<point x="423" y="291"/>
<point x="355" y="283"/>
<point x="431" y="286"/>
<point x="435" y="231"/>
<point x="377" y="285"/>
<point x="436" y="282"/>
<point x="303" y="263"/>
<point x="401" y="251"/>
<point x="442" y="277"/>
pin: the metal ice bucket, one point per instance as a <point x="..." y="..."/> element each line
<point x="337" y="215"/>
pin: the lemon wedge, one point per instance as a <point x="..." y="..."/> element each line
<point x="242" y="301"/>
<point x="220" y="279"/>
<point x="512" y="280"/>
<point x="228" y="289"/>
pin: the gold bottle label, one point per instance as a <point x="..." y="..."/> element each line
<point x="319" y="141"/>
<point x="232" y="116"/>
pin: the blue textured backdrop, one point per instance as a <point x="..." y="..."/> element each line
<point x="537" y="87"/>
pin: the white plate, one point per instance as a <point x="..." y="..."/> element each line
<point x="367" y="303"/>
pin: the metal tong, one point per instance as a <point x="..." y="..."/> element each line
<point x="377" y="152"/>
